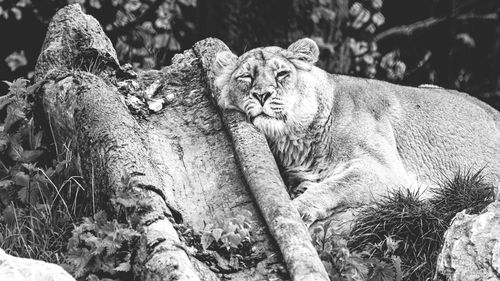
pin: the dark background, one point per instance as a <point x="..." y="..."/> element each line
<point x="451" y="43"/>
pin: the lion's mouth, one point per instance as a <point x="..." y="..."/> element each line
<point x="280" y="117"/>
<point x="261" y="115"/>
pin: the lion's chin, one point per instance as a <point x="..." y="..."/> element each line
<point x="270" y="126"/>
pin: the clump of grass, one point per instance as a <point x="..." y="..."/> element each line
<point x="419" y="225"/>
<point x="40" y="193"/>
<point x="466" y="191"/>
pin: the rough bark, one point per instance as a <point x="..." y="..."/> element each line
<point x="179" y="158"/>
<point x="89" y="112"/>
<point x="81" y="37"/>
<point x="264" y="180"/>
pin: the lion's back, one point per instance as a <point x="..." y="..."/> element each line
<point x="437" y="131"/>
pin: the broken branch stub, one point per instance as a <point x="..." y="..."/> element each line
<point x="262" y="175"/>
<point x="75" y="40"/>
<point x="89" y="113"/>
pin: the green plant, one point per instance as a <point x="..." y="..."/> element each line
<point x="36" y="191"/>
<point x="102" y="247"/>
<point x="231" y="235"/>
<point x="226" y="246"/>
<point x="342" y="264"/>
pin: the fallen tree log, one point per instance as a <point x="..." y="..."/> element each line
<point x="161" y="131"/>
<point x="262" y="175"/>
<point x="178" y="158"/>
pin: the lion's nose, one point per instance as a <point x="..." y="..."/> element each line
<point x="262" y="97"/>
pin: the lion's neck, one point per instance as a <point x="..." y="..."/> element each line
<point x="296" y="148"/>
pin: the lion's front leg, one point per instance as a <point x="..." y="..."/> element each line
<point x="353" y="186"/>
<point x="320" y="200"/>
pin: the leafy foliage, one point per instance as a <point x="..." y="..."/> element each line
<point x="34" y="190"/>
<point x="342" y="264"/>
<point x="100" y="246"/>
<point x="225" y="247"/>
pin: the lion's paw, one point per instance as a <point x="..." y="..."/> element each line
<point x="308" y="211"/>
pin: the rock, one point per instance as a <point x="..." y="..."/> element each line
<point x="20" y="269"/>
<point x="472" y="247"/>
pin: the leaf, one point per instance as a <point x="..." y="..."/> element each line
<point x="206" y="240"/>
<point x="234" y="240"/>
<point x="244" y="233"/>
<point x="123" y="267"/>
<point x="18" y="86"/>
<point x="16" y="60"/>
<point x="30" y="156"/>
<point x="230" y="227"/>
<point x="9" y="215"/>
<point x="15" y="150"/>
<point x="217" y="233"/>
<point x="383" y="272"/>
<point x="14" y="115"/>
<point x="22" y="179"/>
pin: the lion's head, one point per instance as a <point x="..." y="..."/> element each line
<point x="270" y="85"/>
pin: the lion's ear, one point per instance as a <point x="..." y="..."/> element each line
<point x="223" y="60"/>
<point x="305" y="50"/>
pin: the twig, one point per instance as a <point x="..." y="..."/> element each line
<point x="407" y="30"/>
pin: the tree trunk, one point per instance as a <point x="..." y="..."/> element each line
<point x="178" y="156"/>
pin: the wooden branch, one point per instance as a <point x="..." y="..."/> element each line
<point x="407" y="30"/>
<point x="264" y="181"/>
<point x="89" y="113"/>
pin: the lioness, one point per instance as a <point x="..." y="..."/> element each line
<point x="348" y="140"/>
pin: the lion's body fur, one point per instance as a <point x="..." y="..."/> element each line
<point x="347" y="139"/>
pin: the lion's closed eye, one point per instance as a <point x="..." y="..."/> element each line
<point x="245" y="77"/>
<point x="282" y="74"/>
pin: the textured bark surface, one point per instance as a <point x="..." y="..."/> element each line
<point x="14" y="268"/>
<point x="179" y="157"/>
<point x="74" y="41"/>
<point x="107" y="140"/>
<point x="472" y="248"/>
<point x="89" y="112"/>
<point x="264" y="180"/>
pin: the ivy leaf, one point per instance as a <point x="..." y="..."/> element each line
<point x="206" y="240"/>
<point x="244" y="233"/>
<point x="217" y="233"/>
<point x="234" y="240"/>
<point x="230" y="227"/>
